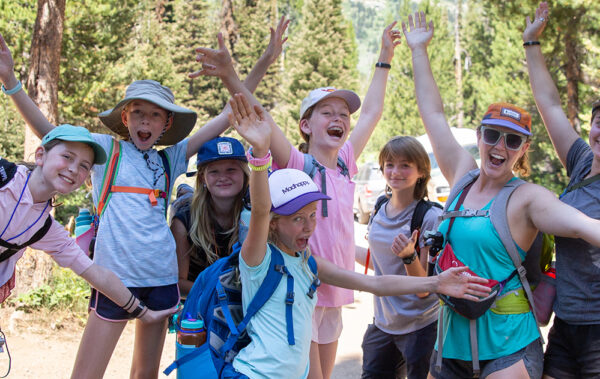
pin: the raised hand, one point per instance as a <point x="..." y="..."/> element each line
<point x="154" y="316"/>
<point x="214" y="62"/>
<point x="403" y="246"/>
<point x="250" y="122"/>
<point x="533" y="29"/>
<point x="418" y="33"/>
<point x="389" y="40"/>
<point x="455" y="282"/>
<point x="7" y="65"/>
<point x="277" y="40"/>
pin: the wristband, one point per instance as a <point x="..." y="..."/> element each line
<point x="258" y="162"/>
<point x="411" y="259"/>
<point x="13" y="90"/>
<point x="129" y="302"/>
<point x="259" y="168"/>
<point x="530" y="43"/>
<point x="383" y="65"/>
<point x="138" y="310"/>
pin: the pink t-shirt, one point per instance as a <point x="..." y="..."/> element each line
<point x="56" y="242"/>
<point x="333" y="238"/>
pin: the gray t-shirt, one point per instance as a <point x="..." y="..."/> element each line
<point x="578" y="262"/>
<point x="407" y="313"/>
<point x="134" y="239"/>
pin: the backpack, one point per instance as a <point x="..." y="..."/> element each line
<point x="311" y="166"/>
<point x="216" y="297"/>
<point x="422" y="207"/>
<point x="7" y="172"/>
<point x="525" y="270"/>
<point x="108" y="187"/>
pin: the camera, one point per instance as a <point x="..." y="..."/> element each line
<point x="435" y="241"/>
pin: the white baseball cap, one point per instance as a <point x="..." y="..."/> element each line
<point x="291" y="190"/>
<point x="322" y="93"/>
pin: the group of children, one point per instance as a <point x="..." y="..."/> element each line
<point x="142" y="270"/>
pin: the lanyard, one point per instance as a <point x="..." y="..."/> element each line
<point x="14" y="210"/>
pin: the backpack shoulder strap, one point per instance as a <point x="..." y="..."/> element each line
<point x="12" y="249"/>
<point x="499" y="219"/>
<point x="167" y="166"/>
<point x="380" y="202"/>
<point x="110" y="174"/>
<point x="7" y="171"/>
<point x="343" y="168"/>
<point x="459" y="186"/>
<point x="310" y="167"/>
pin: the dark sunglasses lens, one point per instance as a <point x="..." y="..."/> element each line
<point x="513" y="141"/>
<point x="491" y="136"/>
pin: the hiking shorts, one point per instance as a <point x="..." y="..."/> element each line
<point x="155" y="298"/>
<point x="532" y="356"/>
<point x="326" y="324"/>
<point x="388" y="355"/>
<point x="573" y="351"/>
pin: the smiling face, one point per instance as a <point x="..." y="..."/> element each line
<point x="497" y="160"/>
<point x="329" y="123"/>
<point x="145" y="121"/>
<point x="224" y="179"/>
<point x="65" y="166"/>
<point x="293" y="231"/>
<point x="401" y="175"/>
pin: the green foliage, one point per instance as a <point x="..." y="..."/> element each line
<point x="70" y="204"/>
<point x="66" y="291"/>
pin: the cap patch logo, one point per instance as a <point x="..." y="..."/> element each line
<point x="224" y="148"/>
<point x="510" y="113"/>
<point x="329" y="89"/>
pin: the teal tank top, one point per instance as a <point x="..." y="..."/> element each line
<point x="477" y="244"/>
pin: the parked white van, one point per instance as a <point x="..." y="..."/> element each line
<point x="438" y="187"/>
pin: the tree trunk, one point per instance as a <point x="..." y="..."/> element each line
<point x="573" y="69"/>
<point x="460" y="114"/>
<point x="35" y="267"/>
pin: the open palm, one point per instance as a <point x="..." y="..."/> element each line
<point x="417" y="33"/>
<point x="250" y="122"/>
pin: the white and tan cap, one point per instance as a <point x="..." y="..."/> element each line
<point x="322" y="93"/>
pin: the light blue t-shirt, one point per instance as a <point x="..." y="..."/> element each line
<point x="269" y="355"/>
<point x="134" y="239"/>
<point x="477" y="244"/>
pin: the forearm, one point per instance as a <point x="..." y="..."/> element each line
<point x="29" y="110"/>
<point x="544" y="90"/>
<point x="257" y="73"/>
<point x="105" y="281"/>
<point x="429" y="100"/>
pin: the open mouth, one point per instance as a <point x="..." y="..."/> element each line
<point x="144" y="136"/>
<point x="335" y="131"/>
<point x="496" y="160"/>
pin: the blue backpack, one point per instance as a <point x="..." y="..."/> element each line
<point x="216" y="297"/>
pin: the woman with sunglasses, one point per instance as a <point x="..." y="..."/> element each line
<point x="508" y="344"/>
<point x="572" y="349"/>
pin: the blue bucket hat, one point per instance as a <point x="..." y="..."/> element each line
<point x="217" y="149"/>
<point x="66" y="132"/>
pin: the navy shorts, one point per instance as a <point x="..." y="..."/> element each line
<point x="573" y="351"/>
<point x="532" y="356"/>
<point x="388" y="355"/>
<point x="155" y="298"/>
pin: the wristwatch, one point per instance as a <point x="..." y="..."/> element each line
<point x="411" y="259"/>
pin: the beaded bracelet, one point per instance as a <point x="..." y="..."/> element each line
<point x="530" y="43"/>
<point x="13" y="90"/>
<point x="260" y="168"/>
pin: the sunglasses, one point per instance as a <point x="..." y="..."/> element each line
<point x="492" y="136"/>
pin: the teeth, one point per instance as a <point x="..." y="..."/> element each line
<point x="67" y="180"/>
<point x="497" y="156"/>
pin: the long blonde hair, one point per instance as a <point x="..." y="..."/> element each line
<point x="202" y="215"/>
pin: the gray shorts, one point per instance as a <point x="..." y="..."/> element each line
<point x="532" y="356"/>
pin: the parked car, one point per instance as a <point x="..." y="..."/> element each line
<point x="438" y="187"/>
<point x="369" y="186"/>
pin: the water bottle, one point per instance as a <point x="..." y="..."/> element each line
<point x="192" y="333"/>
<point x="83" y="222"/>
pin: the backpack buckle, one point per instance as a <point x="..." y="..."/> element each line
<point x="280" y="269"/>
<point x="289" y="298"/>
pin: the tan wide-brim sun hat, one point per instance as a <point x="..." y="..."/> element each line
<point x="183" y="119"/>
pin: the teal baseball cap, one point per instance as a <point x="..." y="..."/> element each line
<point x="66" y="132"/>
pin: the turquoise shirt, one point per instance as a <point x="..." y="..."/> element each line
<point x="269" y="355"/>
<point x="477" y="244"/>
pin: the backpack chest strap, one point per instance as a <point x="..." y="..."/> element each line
<point x="465" y="213"/>
<point x="153" y="194"/>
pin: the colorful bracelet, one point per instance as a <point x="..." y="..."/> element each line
<point x="13" y="90"/>
<point x="258" y="162"/>
<point x="383" y="65"/>
<point x="260" y="168"/>
<point x="530" y="43"/>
